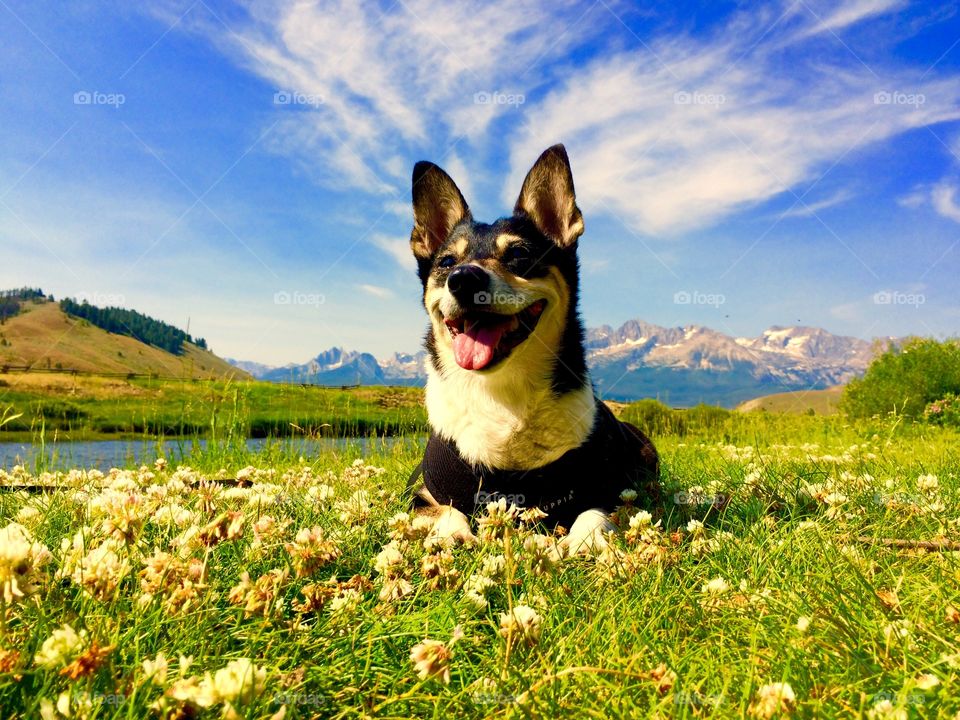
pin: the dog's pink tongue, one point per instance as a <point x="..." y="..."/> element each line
<point x="473" y="348"/>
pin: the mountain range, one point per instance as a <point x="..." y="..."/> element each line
<point x="681" y="366"/>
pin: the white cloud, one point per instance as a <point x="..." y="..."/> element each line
<point x="810" y="208"/>
<point x="680" y="136"/>
<point x="943" y="198"/>
<point x="377" y="291"/>
<point x="669" y="133"/>
<point x="390" y="81"/>
<point x="833" y="17"/>
<point x="397" y="247"/>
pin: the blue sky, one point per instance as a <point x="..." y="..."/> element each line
<point x="246" y="168"/>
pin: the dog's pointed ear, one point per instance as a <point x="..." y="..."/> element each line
<point x="438" y="206"/>
<point x="548" y="198"/>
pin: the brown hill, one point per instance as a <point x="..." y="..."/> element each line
<point x="43" y="337"/>
<point x="822" y="402"/>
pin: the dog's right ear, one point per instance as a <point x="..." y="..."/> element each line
<point x="438" y="206"/>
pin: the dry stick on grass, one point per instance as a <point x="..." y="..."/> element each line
<point x="232" y="482"/>
<point x="900" y="543"/>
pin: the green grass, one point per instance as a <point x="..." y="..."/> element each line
<point x="622" y="635"/>
<point x="90" y="408"/>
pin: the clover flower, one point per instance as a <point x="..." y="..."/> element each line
<point x="431" y="658"/>
<point x="98" y="571"/>
<point x="775" y="698"/>
<point x="63" y="645"/>
<point x="344" y="606"/>
<point x="259" y="597"/>
<point x="522" y="623"/>
<point x="356" y="509"/>
<point x="886" y="710"/>
<point x="541" y="554"/>
<point x="240" y="682"/>
<point x="21" y="563"/>
<point x="716" y="586"/>
<point x="498" y="518"/>
<point x="311" y="550"/>
<point x="438" y="569"/>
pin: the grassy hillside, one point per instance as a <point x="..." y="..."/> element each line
<point x="42" y="336"/>
<point x="821" y="402"/>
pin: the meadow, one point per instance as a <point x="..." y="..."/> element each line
<point x="800" y="567"/>
<point x="83" y="407"/>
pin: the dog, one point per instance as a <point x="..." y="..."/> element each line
<point x="509" y="401"/>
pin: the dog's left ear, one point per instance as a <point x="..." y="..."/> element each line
<point x="548" y="198"/>
<point x="438" y="206"/>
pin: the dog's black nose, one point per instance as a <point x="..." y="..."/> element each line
<point x="468" y="282"/>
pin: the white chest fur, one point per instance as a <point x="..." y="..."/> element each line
<point x="507" y="420"/>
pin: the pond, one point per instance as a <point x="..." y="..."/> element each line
<point x="106" y="454"/>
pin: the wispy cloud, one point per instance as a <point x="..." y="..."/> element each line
<point x="668" y="131"/>
<point x="397" y="247"/>
<point x="377" y="291"/>
<point x="682" y="135"/>
<point x="809" y="209"/>
<point x="943" y="197"/>
<point x="387" y="82"/>
<point x="834" y="17"/>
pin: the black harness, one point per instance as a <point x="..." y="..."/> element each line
<point x="615" y="456"/>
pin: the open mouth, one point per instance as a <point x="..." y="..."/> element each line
<point x="482" y="339"/>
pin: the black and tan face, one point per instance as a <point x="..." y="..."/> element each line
<point x="497" y="294"/>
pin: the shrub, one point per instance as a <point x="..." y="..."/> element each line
<point x="905" y="378"/>
<point x="945" y="411"/>
<point x="652" y="417"/>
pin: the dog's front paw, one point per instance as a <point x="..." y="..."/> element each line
<point x="452" y="526"/>
<point x="587" y="536"/>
